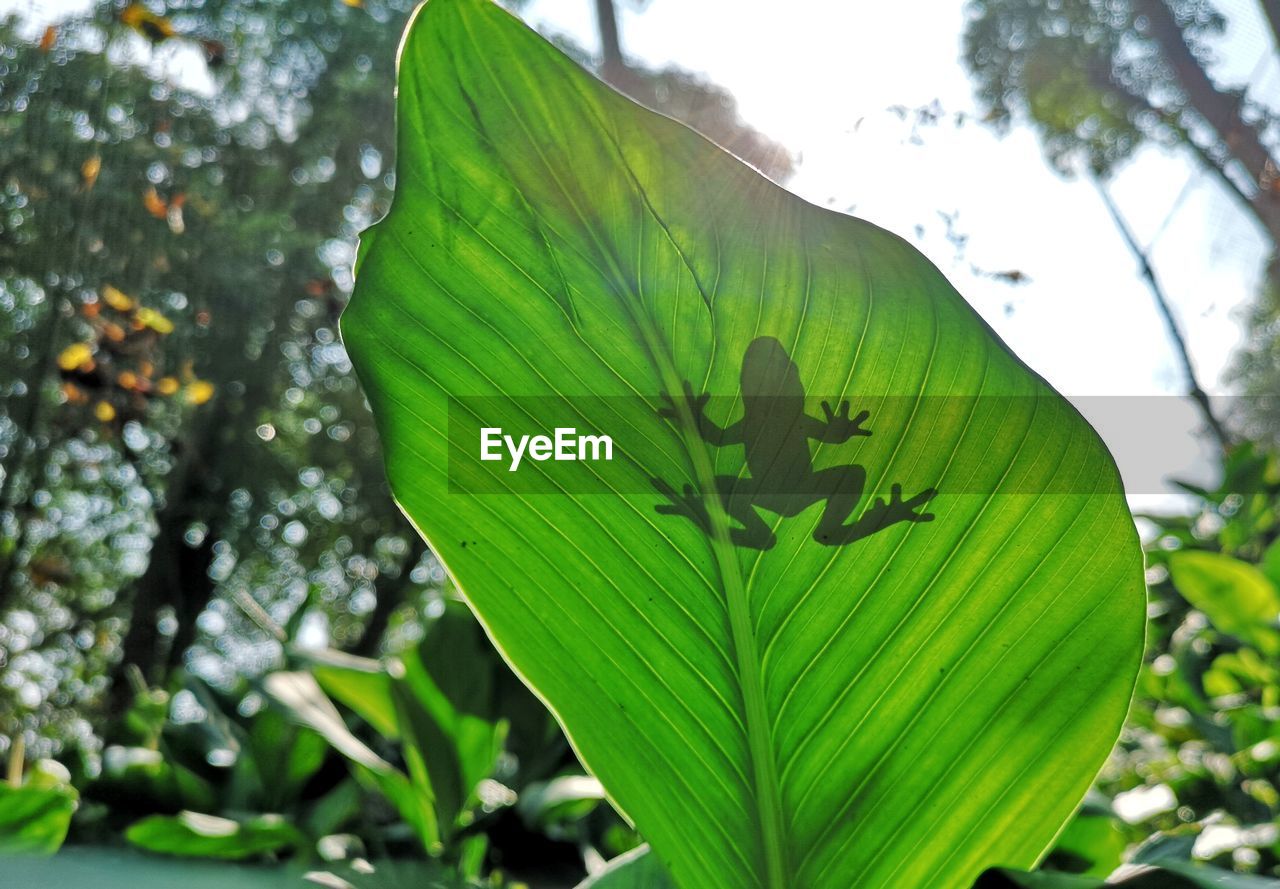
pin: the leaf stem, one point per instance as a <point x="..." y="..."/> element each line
<point x="17" y="757"/>
<point x="768" y="797"/>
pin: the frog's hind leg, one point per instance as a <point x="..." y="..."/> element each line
<point x="882" y="513"/>
<point x="737" y="495"/>
<point x="842" y="486"/>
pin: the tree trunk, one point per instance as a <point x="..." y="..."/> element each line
<point x="389" y="592"/>
<point x="1271" y="11"/>
<point x="612" y="65"/>
<point x="177" y="573"/>
<point x="1219" y="110"/>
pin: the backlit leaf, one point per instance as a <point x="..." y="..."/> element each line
<point x="851" y="680"/>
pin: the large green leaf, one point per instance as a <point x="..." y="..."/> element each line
<point x="790" y="702"/>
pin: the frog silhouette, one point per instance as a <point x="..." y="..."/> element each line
<point x="775" y="432"/>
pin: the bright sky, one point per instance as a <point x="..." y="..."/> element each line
<point x="820" y="80"/>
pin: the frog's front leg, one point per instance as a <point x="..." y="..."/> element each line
<point x="838" y="427"/>
<point x="708" y="430"/>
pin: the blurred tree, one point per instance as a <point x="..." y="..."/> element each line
<point x="226" y="216"/>
<point x="1098" y="79"/>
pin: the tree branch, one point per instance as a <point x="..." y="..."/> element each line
<point x="1137" y="103"/>
<point x="1196" y="393"/>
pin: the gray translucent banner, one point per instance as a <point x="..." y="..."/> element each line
<point x="624" y="445"/>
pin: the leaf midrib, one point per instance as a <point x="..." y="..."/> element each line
<point x="768" y="796"/>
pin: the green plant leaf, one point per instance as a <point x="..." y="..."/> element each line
<point x="1093" y="842"/>
<point x="1237" y="598"/>
<point x="368" y="694"/>
<point x="1271" y="562"/>
<point x="637" y="869"/>
<point x="445" y="695"/>
<point x="196" y="835"/>
<point x="306" y="702"/>
<point x="279" y="759"/>
<point x="781" y="698"/>
<point x="563" y="799"/>
<point x="438" y="701"/>
<point x="34" y="819"/>
<point x="300" y="694"/>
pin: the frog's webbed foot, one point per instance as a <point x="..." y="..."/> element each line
<point x="880" y="515"/>
<point x="895" y="509"/>
<point x="688" y="503"/>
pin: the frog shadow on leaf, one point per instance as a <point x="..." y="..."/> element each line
<point x="775" y="432"/>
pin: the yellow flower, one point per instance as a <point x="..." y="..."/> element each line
<point x="117" y="299"/>
<point x="153" y="319"/>
<point x="74" y="356"/>
<point x="90" y="169"/>
<point x="199" y="392"/>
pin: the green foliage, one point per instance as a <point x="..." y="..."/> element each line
<point x="1204" y="728"/>
<point x="1092" y="843"/>
<point x="231" y="211"/>
<point x="909" y="708"/>
<point x="224" y="527"/>
<point x="1160" y="863"/>
<point x="446" y="709"/>
<point x="35" y="815"/>
<point x="192" y="835"/>
<point x="1236" y="597"/>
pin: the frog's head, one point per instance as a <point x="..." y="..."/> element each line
<point x="769" y="372"/>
